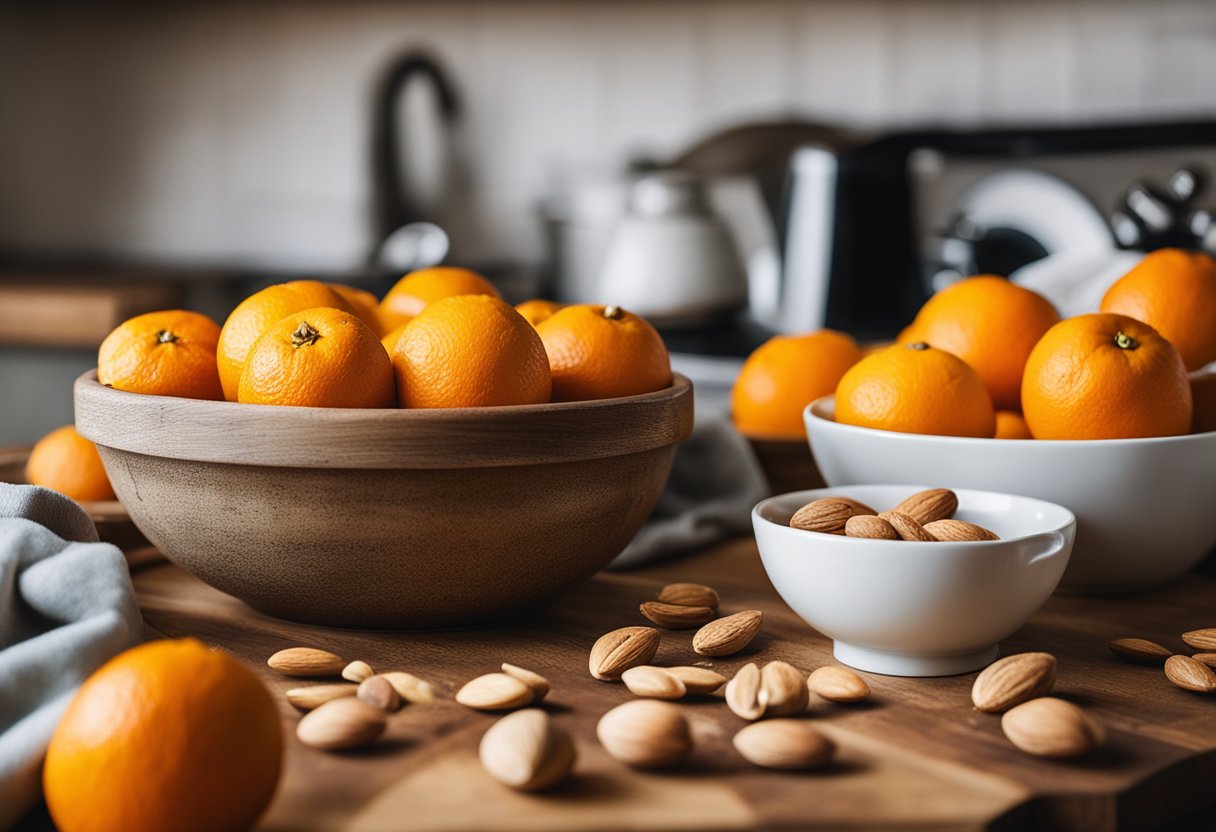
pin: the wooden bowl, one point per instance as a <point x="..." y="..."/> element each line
<point x="387" y="518"/>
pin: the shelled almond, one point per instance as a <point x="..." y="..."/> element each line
<point x="1138" y="650"/>
<point x="539" y="684"/>
<point x="495" y="692"/>
<point x="789" y="744"/>
<point x="1189" y="674"/>
<point x="305" y="662"/>
<point x="526" y="750"/>
<point x="617" y="651"/>
<point x="838" y="684"/>
<point x="379" y="693"/>
<point x="314" y="696"/>
<point x="1050" y="727"/>
<point x="677" y="616"/>
<point x="1013" y="680"/>
<point x="727" y="636"/>
<point x="357" y="671"/>
<point x="645" y="733"/>
<point x="653" y="683"/>
<point x="689" y="595"/>
<point x="340" y="724"/>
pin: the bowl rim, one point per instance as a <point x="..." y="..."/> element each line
<point x="1070" y="519"/>
<point x="816" y="410"/>
<point x="387" y="438"/>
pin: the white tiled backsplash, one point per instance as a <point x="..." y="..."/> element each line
<point x="237" y="132"/>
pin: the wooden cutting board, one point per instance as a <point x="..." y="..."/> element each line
<point x="917" y="756"/>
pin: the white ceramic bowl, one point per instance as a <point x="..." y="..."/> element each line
<point x="917" y="609"/>
<point x="1144" y="507"/>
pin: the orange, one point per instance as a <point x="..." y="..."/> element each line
<point x="1011" y="425"/>
<point x="537" y="310"/>
<point x="362" y="302"/>
<point x="915" y="388"/>
<point x="1174" y="292"/>
<point x="603" y="352"/>
<point x="168" y="735"/>
<point x="258" y="312"/>
<point x="164" y="354"/>
<point x="65" y="461"/>
<point x="1203" y="393"/>
<point x="1105" y="376"/>
<point x="991" y="324"/>
<point x="390" y="340"/>
<point x="784" y="375"/>
<point x="318" y="358"/>
<point x="417" y="289"/>
<point x="470" y="351"/>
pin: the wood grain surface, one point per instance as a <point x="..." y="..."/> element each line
<point x="917" y="756"/>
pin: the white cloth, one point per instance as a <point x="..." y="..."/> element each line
<point x="66" y="607"/>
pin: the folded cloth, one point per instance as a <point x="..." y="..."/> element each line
<point x="715" y="480"/>
<point x="66" y="606"/>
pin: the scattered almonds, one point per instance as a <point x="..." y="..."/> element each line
<point x="866" y="525"/>
<point x="906" y="527"/>
<point x="357" y="671"/>
<point x="927" y="506"/>
<point x="495" y="692"/>
<point x="539" y="684"/>
<point x="743" y="693"/>
<point x="347" y="722"/>
<point x="619" y="650"/>
<point x="306" y="661"/>
<point x="409" y="687"/>
<point x="316" y="695"/>
<point x="826" y="516"/>
<point x="1201" y="639"/>
<point x="783" y="689"/>
<point x="838" y="684"/>
<point x="954" y="531"/>
<point x="1050" y="727"/>
<point x="1138" y="650"/>
<point x="698" y="680"/>
<point x="689" y="595"/>
<point x="379" y="693"/>
<point x="527" y="751"/>
<point x="783" y="744"/>
<point x="645" y="732"/>
<point x="677" y="616"/>
<point x="1207" y="658"/>
<point x="1013" y="680"/>
<point x="653" y="683"/>
<point x="925" y="516"/>
<point x="1189" y="674"/>
<point x="728" y="635"/>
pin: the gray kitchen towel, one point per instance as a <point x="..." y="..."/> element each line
<point x="66" y="606"/>
<point x="715" y="481"/>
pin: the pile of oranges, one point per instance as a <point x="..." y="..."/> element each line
<point x="988" y="358"/>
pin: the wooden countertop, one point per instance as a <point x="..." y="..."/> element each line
<point x="916" y="756"/>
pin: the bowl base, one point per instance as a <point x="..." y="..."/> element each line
<point x="905" y="664"/>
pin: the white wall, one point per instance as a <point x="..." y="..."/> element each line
<point x="238" y="132"/>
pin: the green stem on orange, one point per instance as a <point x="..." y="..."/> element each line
<point x="919" y="345"/>
<point x="613" y="313"/>
<point x="305" y="335"/>
<point x="1125" y="342"/>
<point x="164" y="336"/>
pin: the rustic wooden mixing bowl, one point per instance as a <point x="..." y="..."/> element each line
<point x="387" y="518"/>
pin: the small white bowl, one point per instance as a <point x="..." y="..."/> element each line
<point x="917" y="609"/>
<point x="1143" y="506"/>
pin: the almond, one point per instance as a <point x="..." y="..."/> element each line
<point x="677" y="616"/>
<point x="379" y="693"/>
<point x="689" y="595"/>
<point x="527" y="751"/>
<point x="653" y="683"/>
<point x="1050" y="727"/>
<point x="906" y="527"/>
<point x="932" y="504"/>
<point x="783" y="744"/>
<point x="838" y="684"/>
<point x="698" y="680"/>
<point x="865" y="525"/>
<point x="728" y="635"/>
<point x="783" y="690"/>
<point x="1206" y="658"/>
<point x="341" y="723"/>
<point x="1013" y="680"/>
<point x="646" y="733"/>
<point x="314" y="696"/>
<point x="956" y="531"/>
<point x="409" y="687"/>
<point x="1201" y="639"/>
<point x="615" y="652"/>
<point x="539" y="684"/>
<point x="1189" y="674"/>
<point x="306" y="661"/>
<point x="743" y="692"/>
<point x="1138" y="650"/>
<point x="857" y="506"/>
<point x="827" y="516"/>
<point x="495" y="692"/>
<point x="357" y="671"/>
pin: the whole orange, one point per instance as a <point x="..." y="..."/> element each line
<point x="537" y="310"/>
<point x="417" y="289"/>
<point x="390" y="340"/>
<point x="318" y="358"/>
<point x="168" y="735"/>
<point x="784" y="375"/>
<point x="1104" y="376"/>
<point x="915" y="388"/>
<point x="256" y="313"/>
<point x="1174" y="292"/>
<point x="66" y="462"/>
<point x="363" y="303"/>
<point x="1011" y="425"/>
<point x="470" y="351"/>
<point x="991" y="324"/>
<point x="603" y="352"/>
<point x="169" y="353"/>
